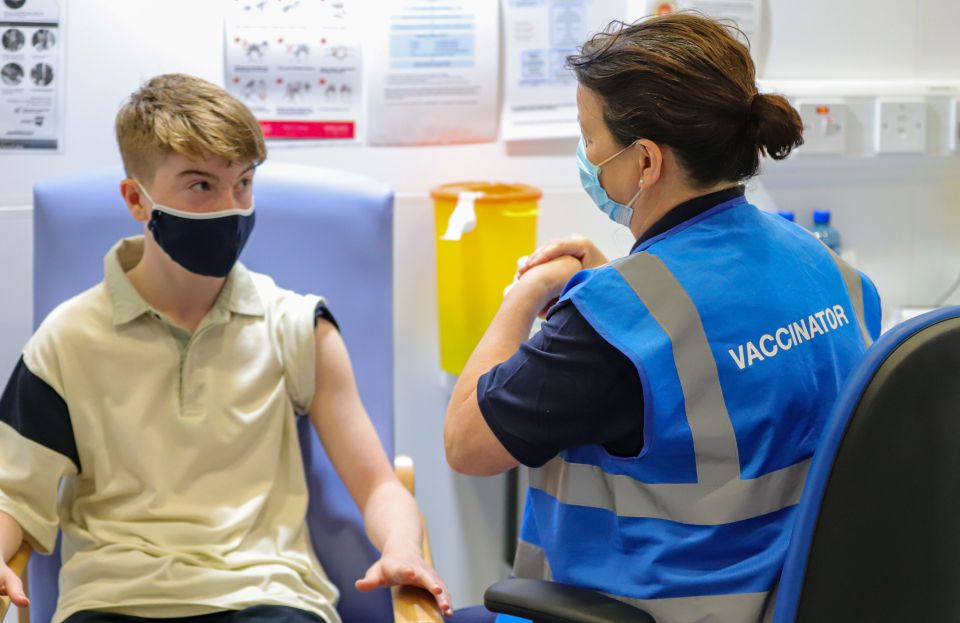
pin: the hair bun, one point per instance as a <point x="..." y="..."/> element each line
<point x="777" y="125"/>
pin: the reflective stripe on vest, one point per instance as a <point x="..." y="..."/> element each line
<point x="714" y="441"/>
<point x="530" y="562"/>
<point x="851" y="279"/>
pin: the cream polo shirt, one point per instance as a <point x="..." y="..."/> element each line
<point x="183" y="487"/>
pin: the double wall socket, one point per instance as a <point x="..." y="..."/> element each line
<point x="901" y="126"/>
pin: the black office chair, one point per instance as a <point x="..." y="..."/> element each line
<point x="877" y="536"/>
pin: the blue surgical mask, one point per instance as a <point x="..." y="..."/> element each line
<point x="590" y="179"/>
<point x="205" y="243"/>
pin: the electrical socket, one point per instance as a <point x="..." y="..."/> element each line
<point x="824" y="125"/>
<point x="901" y="126"/>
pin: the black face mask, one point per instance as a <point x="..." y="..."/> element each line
<point x="204" y="243"/>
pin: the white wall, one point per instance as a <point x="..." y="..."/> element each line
<point x="901" y="215"/>
<point x="16" y="287"/>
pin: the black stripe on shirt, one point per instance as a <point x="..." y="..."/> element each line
<point x="323" y="312"/>
<point x="37" y="412"/>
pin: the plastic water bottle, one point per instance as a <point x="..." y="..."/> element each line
<point x="822" y="230"/>
<point x="790" y="216"/>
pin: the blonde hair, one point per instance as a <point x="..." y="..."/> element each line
<point x="176" y="113"/>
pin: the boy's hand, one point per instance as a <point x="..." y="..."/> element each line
<point x="395" y="569"/>
<point x="12" y="586"/>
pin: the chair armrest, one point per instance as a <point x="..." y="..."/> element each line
<point x="412" y="604"/>
<point x="17" y="564"/>
<point x="552" y="602"/>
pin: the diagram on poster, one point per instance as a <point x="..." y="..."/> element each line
<point x="31" y="75"/>
<point x="540" y="93"/>
<point x="297" y="65"/>
<point x="433" y="72"/>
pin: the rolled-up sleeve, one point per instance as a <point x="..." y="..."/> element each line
<point x="296" y="323"/>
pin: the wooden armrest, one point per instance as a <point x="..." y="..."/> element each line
<point x="18" y="564"/>
<point x="411" y="604"/>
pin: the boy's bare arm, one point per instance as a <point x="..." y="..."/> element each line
<point x="11" y="537"/>
<point x="390" y="513"/>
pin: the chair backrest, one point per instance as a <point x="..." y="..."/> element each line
<point x="877" y="536"/>
<point x="318" y="231"/>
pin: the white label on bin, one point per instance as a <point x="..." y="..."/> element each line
<point x="463" y="218"/>
<point x="516" y="277"/>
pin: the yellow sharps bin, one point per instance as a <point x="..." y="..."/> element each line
<point x="482" y="229"/>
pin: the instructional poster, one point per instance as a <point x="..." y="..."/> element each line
<point x="746" y="14"/>
<point x="540" y="97"/>
<point x="31" y="75"/>
<point x="433" y="72"/>
<point x="297" y="65"/>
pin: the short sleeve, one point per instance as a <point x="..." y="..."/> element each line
<point x="564" y="387"/>
<point x="37" y="447"/>
<point x="296" y="321"/>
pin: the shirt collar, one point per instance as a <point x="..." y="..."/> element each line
<point x="239" y="294"/>
<point x="688" y="210"/>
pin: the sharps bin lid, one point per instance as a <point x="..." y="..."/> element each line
<point x="492" y="191"/>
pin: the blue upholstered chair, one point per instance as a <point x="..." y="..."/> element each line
<point x="876" y="536"/>
<point x="318" y="231"/>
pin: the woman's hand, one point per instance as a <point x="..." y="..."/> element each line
<point x="396" y="568"/>
<point x="575" y="246"/>
<point x="545" y="281"/>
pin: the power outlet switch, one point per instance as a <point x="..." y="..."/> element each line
<point x="901" y="126"/>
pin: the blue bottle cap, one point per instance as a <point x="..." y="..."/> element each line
<point x="821" y="217"/>
<point x="790" y="216"/>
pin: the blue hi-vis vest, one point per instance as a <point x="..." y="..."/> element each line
<point x="743" y="328"/>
